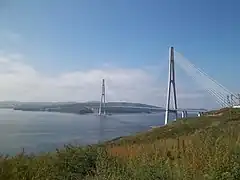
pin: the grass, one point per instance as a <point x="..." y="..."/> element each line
<point x="195" y="148"/>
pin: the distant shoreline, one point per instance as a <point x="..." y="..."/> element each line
<point x="92" y="108"/>
<point x="83" y="113"/>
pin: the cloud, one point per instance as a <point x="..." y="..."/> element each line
<point x="20" y="81"/>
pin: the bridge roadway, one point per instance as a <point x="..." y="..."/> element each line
<point x="158" y="108"/>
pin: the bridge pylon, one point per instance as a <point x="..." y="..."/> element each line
<point x="171" y="87"/>
<point x="103" y="100"/>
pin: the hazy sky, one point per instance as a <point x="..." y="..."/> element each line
<point x="58" y="50"/>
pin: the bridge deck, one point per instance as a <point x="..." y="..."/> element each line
<point x="160" y="109"/>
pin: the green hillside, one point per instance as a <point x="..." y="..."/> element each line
<point x="88" y="107"/>
<point x="206" y="148"/>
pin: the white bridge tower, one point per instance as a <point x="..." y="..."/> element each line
<point x="171" y="87"/>
<point x="103" y="100"/>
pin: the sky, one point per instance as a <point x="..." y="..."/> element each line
<point x="59" y="50"/>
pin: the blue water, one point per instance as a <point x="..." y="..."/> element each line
<point x="45" y="131"/>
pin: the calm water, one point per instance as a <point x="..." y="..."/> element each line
<point x="44" y="131"/>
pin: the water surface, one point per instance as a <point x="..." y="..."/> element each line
<point x="45" y="131"/>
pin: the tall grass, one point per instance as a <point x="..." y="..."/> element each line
<point x="202" y="148"/>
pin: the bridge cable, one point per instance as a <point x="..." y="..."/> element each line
<point x="211" y="91"/>
<point x="198" y="78"/>
<point x="201" y="72"/>
<point x="191" y="70"/>
<point x="223" y="89"/>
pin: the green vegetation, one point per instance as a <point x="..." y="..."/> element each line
<point x="195" y="148"/>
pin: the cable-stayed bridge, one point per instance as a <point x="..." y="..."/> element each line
<point x="223" y="96"/>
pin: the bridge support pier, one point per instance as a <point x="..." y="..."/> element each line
<point x="199" y="114"/>
<point x="171" y="83"/>
<point x="184" y="114"/>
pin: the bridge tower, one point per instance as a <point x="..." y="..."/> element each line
<point x="103" y="100"/>
<point x="171" y="86"/>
